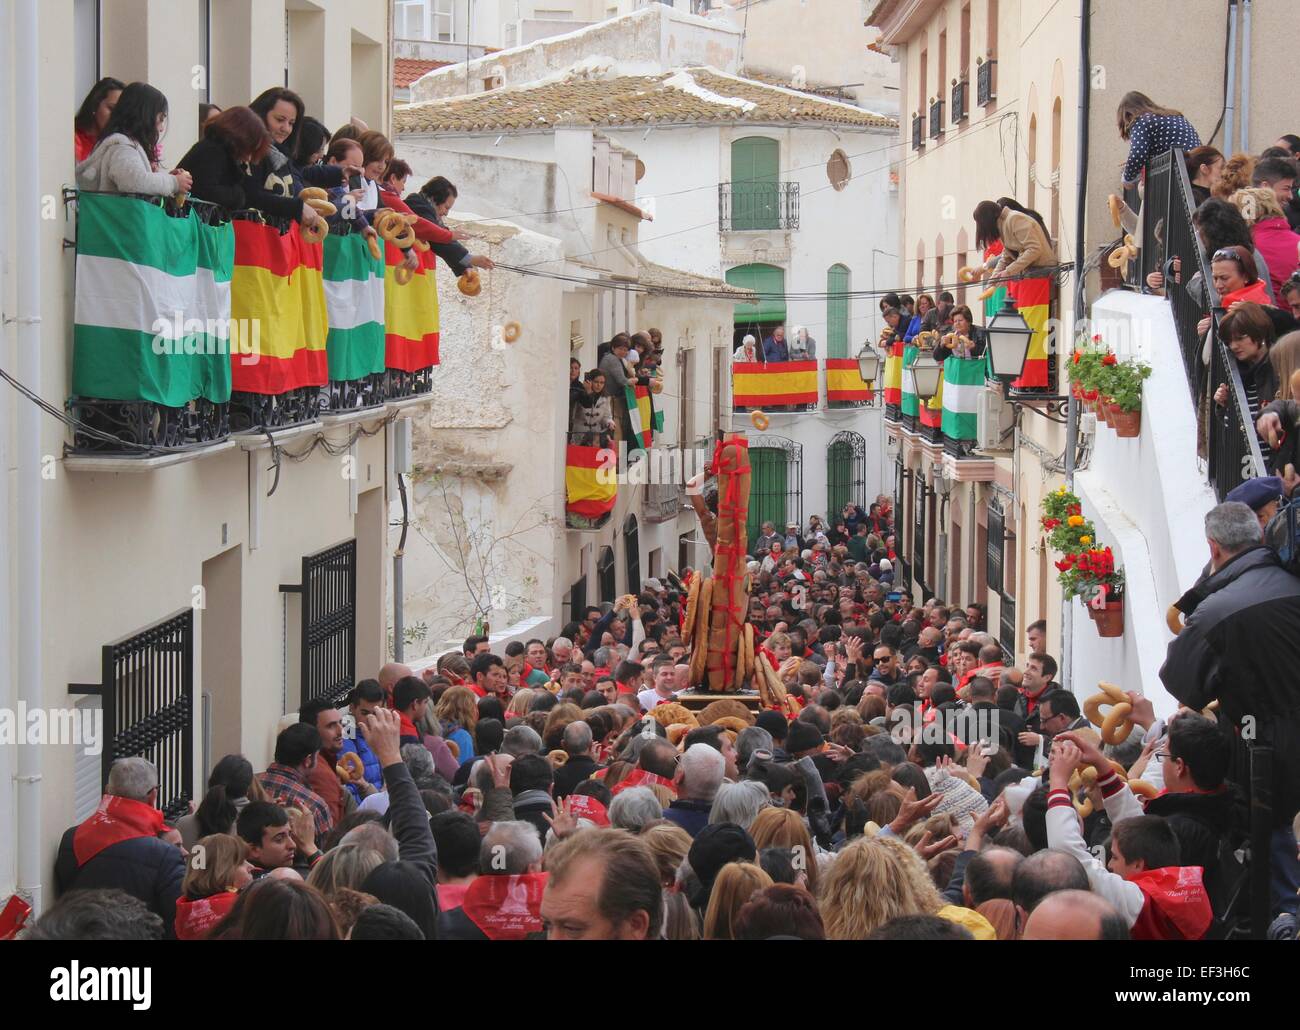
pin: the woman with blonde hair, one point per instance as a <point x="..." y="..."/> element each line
<point x="457" y="711"/>
<point x="785" y="828"/>
<point x="1285" y="444"/>
<point x="346" y="866"/>
<point x="218" y="870"/>
<point x="556" y="719"/>
<point x="732" y="889"/>
<point x="872" y="881"/>
<point x="1235" y="176"/>
<point x="1270" y="232"/>
<point x="518" y="706"/>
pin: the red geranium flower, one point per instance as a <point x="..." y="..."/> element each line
<point x="1109" y="359"/>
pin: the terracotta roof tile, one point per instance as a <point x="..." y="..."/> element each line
<point x="407" y="69"/>
<point x="629" y="99"/>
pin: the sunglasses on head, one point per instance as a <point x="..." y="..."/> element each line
<point x="1227" y="254"/>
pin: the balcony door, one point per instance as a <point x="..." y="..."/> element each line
<point x="755" y="168"/>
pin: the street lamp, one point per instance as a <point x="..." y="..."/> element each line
<point x="1008" y="343"/>
<point x="925" y="373"/>
<point x="868" y="364"/>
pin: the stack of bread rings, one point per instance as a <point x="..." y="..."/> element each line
<point x="394" y="228"/>
<point x="1114" y="725"/>
<point x="318" y="200"/>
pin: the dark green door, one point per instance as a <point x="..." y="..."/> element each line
<point x="755" y="164"/>
<point x="837" y="312"/>
<point x="768" y="490"/>
<point x="839" y="479"/>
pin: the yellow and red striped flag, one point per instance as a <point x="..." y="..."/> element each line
<point x="410" y="314"/>
<point x="757" y="385"/>
<point x="590" y="480"/>
<point x="844" y="381"/>
<point x="277" y="285"/>
<point x="1033" y="299"/>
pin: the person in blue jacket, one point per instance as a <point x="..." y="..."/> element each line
<point x="365" y="698"/>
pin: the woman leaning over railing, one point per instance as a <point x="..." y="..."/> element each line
<point x="120" y="161"/>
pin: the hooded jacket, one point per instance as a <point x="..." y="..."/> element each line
<point x="1238" y="645"/>
<point x="456" y="256"/>
<point x="118" y="164"/>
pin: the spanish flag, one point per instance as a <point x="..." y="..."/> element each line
<point x="410" y="314"/>
<point x="590" y="481"/>
<point x="277" y="291"/>
<point x="844" y="382"/>
<point x="894" y="372"/>
<point x="1032" y="298"/>
<point x="780" y="383"/>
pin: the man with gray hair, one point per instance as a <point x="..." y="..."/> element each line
<point x="634" y="809"/>
<point x="508" y="891"/>
<point x="1238" y="646"/>
<point x="521" y="740"/>
<point x="120" y="846"/>
<point x="580" y="763"/>
<point x="749" y="740"/>
<point x="699" y="775"/>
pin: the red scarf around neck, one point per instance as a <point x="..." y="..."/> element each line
<point x="115" y="820"/>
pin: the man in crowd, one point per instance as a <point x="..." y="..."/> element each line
<point x="699" y="776"/>
<point x="602" y="885"/>
<point x="286" y="779"/>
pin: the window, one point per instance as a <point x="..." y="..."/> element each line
<point x="769" y="282"/>
<point x="776" y="483"/>
<point x="920" y="268"/>
<point x="923" y="81"/>
<point x="964" y="69"/>
<point x="1056" y="170"/>
<point x="605" y="573"/>
<point x="837" y="312"/>
<point x="943" y="65"/>
<point x="85" y="73"/>
<point x="686" y="396"/>
<point x="846" y="473"/>
<point x="938" y="264"/>
<point x="755" y="184"/>
<point x="1033" y="157"/>
<point x="837" y="170"/>
<point x="632" y="554"/>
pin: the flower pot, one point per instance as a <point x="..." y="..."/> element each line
<point x="1109" y="620"/>
<point x="1107" y="411"/>
<point x="1127" y="423"/>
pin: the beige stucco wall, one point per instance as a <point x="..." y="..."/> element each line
<point x="121" y="550"/>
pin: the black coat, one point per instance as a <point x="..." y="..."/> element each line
<point x="573" y="772"/>
<point x="276" y="181"/>
<point x="145" y="867"/>
<point x="1239" y="646"/>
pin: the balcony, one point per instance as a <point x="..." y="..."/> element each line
<point x="960" y="98"/>
<point x="665" y="494"/>
<point x="785" y="387"/>
<point x="936" y="119"/>
<point x="918" y="132"/>
<point x="746" y="206"/>
<point x="985" y="86"/>
<point x="193" y="324"/>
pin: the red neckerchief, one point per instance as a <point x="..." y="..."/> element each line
<point x="506" y="908"/>
<point x="406" y="728"/>
<point x="642" y="778"/>
<point x="115" y="820"/>
<point x="584" y="806"/>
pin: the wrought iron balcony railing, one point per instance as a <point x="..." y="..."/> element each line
<point x="757" y="205"/>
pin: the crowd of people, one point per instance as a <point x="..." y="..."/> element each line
<point x="919" y="786"/>
<point x="259" y="158"/>
<point x="598" y="410"/>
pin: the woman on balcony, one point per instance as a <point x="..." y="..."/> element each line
<point x="1248" y="330"/>
<point x="94" y="113"/>
<point x="1150" y="130"/>
<point x="219" y="162"/>
<point x="591" y="417"/>
<point x="277" y="174"/>
<point x="433" y="203"/>
<point x="122" y="161"/>
<point x="1204" y="167"/>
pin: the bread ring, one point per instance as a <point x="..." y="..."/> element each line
<point x="1084" y="807"/>
<point x="313" y="193"/>
<point x="1174" y="619"/>
<point x="323" y="207"/>
<point x="388" y="225"/>
<point x="469" y="284"/>
<point x="967" y="274"/>
<point x="1118" y="256"/>
<point x="760" y="421"/>
<point x="375" y="251"/>
<point x="511" y="331"/>
<point x="402" y="275"/>
<point x="1092" y="708"/>
<point x="454" y="748"/>
<point x="1116" y="727"/>
<point x="316" y="232"/>
<point x="420" y="245"/>
<point x="557" y="758"/>
<point x="1142" y="789"/>
<point x="405" y="239"/>
<point x="350" y="768"/>
<point x="1114" y="203"/>
<point x="1113" y="692"/>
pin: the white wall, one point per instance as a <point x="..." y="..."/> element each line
<point x="1148" y="498"/>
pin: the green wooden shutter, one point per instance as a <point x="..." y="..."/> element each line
<point x="755" y="164"/>
<point x="839" y="477"/>
<point x="837" y="312"/>
<point x="764" y="279"/>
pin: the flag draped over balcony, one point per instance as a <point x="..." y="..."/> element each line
<point x="642" y="421"/>
<point x="963" y="382"/>
<point x="994" y="303"/>
<point x="152" y="303"/>
<point x="354" y="301"/>
<point x="844" y="381"/>
<point x="908" y="404"/>
<point x="277" y="286"/>
<point x="778" y="384"/>
<point x="931" y="411"/>
<point x="590" y="481"/>
<point x="411" y="314"/>
<point x="1032" y="298"/>
<point x="894" y="372"/>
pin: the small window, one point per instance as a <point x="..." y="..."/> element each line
<point x="837" y="170"/>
